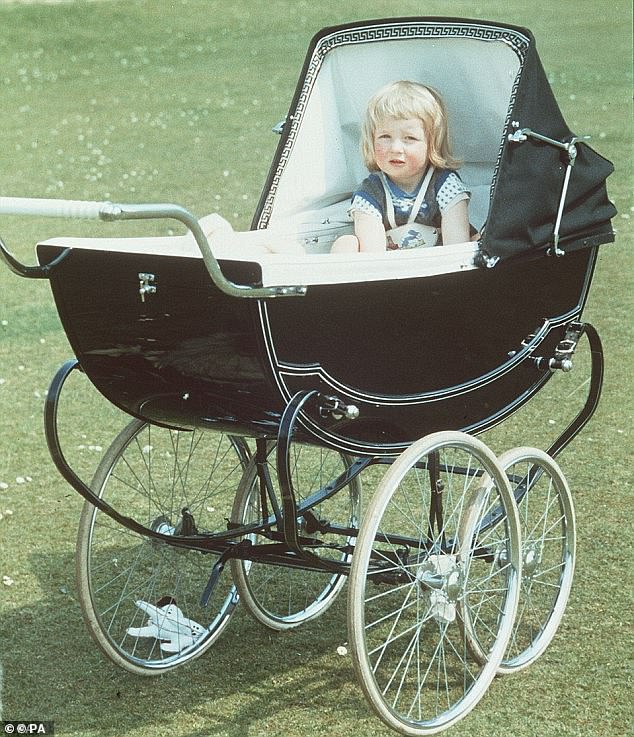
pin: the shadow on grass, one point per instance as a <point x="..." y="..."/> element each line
<point x="54" y="671"/>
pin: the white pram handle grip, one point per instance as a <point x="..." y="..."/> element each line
<point x="52" y="208"/>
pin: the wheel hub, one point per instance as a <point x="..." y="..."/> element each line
<point x="163" y="525"/>
<point x="532" y="561"/>
<point x="440" y="576"/>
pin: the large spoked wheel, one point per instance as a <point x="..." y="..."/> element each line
<point x="422" y="582"/>
<point x="141" y="597"/>
<point x="284" y="597"/>
<point x="547" y="522"/>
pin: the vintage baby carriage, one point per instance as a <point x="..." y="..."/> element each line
<point x="264" y="386"/>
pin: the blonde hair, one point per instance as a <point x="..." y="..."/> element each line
<point x="403" y="100"/>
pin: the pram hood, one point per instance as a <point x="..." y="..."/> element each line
<point x="526" y="194"/>
<point x="493" y="84"/>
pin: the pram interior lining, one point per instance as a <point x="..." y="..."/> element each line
<point x="321" y="162"/>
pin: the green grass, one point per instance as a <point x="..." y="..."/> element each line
<point x="145" y="101"/>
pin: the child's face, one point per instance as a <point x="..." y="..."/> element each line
<point x="400" y="150"/>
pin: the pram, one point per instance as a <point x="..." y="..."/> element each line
<point x="257" y="407"/>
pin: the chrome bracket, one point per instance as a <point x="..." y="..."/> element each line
<point x="564" y="351"/>
<point x="338" y="410"/>
<point x="279" y="127"/>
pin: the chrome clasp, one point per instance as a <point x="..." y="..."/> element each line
<point x="146" y="284"/>
<point x="338" y="410"/>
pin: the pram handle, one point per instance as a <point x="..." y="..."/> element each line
<point x="109" y="211"/>
<point x="71" y="209"/>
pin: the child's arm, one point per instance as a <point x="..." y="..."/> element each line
<point x="369" y="236"/>
<point x="370" y="232"/>
<point x="455" y="224"/>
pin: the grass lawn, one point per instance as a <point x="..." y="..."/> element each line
<point x="141" y="101"/>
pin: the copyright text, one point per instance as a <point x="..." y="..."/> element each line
<point x="27" y="727"/>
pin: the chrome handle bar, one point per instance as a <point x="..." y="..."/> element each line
<point x="109" y="212"/>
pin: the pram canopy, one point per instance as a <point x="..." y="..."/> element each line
<point x="493" y="84"/>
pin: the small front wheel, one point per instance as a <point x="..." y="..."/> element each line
<point x="423" y="583"/>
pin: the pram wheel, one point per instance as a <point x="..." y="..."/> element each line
<point x="281" y="597"/>
<point x="141" y="597"/>
<point x="548" y="531"/>
<point x="422" y="581"/>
